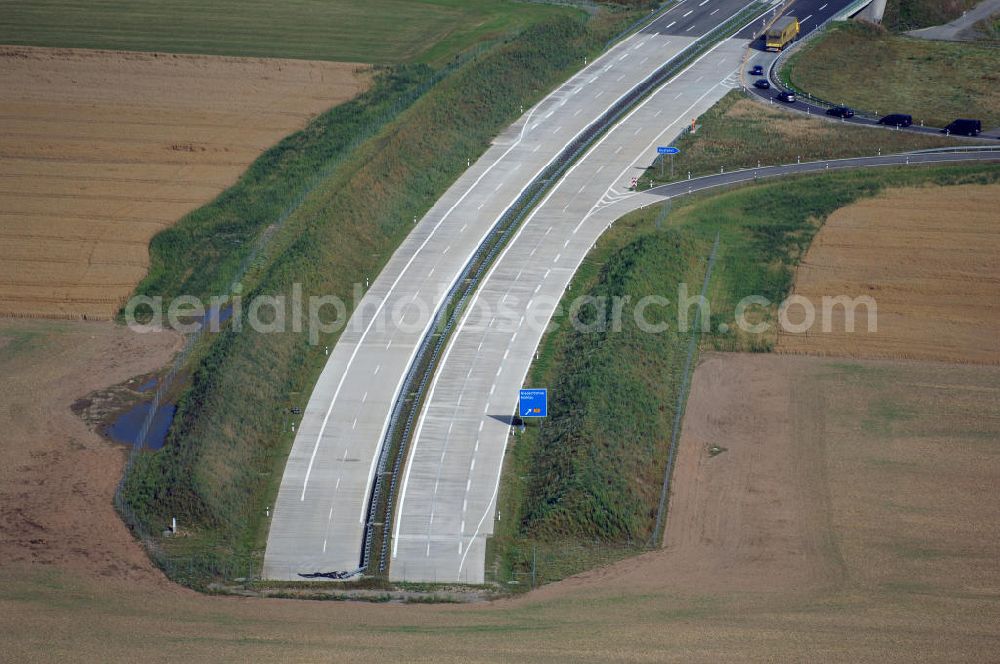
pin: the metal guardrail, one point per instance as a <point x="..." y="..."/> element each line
<point x="410" y="397"/>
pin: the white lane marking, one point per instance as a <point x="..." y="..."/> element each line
<point x="375" y="373"/>
<point x="703" y="3"/>
<point x="557" y="129"/>
<point x="806" y="19"/>
<point x="689" y="12"/>
<point x="430" y="273"/>
<point x="388" y="343"/>
<point x="580" y="191"/>
<point x="381" y="305"/>
<point x="353" y="426"/>
<point x="599" y="169"/>
<point x="599" y="94"/>
<point x="481" y="426"/>
<point x="558" y="256"/>
<point x="364" y="398"/>
<point x="566" y="243"/>
<point x="462" y="229"/>
<point x="643" y="61"/>
<point x="548" y="230"/>
<point x="822" y="8"/>
<point x="621" y="77"/>
<point x="545" y="277"/>
<point x="536" y="147"/>
<point x="412" y="455"/>
<point x="714" y="12"/>
<point x="672" y="23"/>
<point x="577" y="112"/>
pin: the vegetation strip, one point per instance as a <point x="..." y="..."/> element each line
<point x="411" y="395"/>
<point x="682" y="393"/>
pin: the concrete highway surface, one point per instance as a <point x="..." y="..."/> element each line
<point x="318" y="519"/>
<point x="446" y="507"/>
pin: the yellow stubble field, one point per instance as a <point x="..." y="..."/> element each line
<point x="100" y="150"/>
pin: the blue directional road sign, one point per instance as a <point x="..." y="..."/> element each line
<point x="670" y="150"/>
<point x="534" y="403"/>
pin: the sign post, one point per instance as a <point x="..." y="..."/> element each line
<point x="670" y="151"/>
<point x="533" y="403"/>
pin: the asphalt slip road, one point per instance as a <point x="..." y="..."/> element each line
<point x="318" y="519"/>
<point x="446" y="508"/>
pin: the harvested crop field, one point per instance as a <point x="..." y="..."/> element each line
<point x="101" y="149"/>
<point x="852" y="517"/>
<point x="930" y="259"/>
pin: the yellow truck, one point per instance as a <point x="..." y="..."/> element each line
<point x="781" y="34"/>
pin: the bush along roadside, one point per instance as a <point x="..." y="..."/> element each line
<point x="225" y="453"/>
<point x="582" y="488"/>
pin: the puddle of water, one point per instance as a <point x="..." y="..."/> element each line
<point x="147" y="386"/>
<point x="126" y="428"/>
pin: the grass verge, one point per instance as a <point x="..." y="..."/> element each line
<point x="739" y="132"/>
<point x="872" y="70"/>
<point x="224" y="457"/>
<point x="382" y="31"/>
<point x="582" y="488"/>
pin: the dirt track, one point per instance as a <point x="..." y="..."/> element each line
<point x="102" y="149"/>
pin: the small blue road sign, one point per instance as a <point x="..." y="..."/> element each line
<point x="533" y="403"/>
<point x="670" y="150"/>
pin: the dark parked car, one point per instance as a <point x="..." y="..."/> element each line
<point x="757" y="71"/>
<point x="965" y="127"/>
<point x="762" y="83"/>
<point x="897" y="120"/>
<point x="840" y="112"/>
<point x="787" y="96"/>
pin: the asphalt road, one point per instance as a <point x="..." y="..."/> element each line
<point x="318" y="519"/>
<point x="812" y="14"/>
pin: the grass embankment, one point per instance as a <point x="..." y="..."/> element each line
<point x="583" y="487"/>
<point x="739" y="132"/>
<point x="381" y="31"/>
<point x="225" y="454"/>
<point x="872" y="70"/>
<point x="902" y="15"/>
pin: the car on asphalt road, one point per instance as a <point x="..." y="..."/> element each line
<point x="762" y="83"/>
<point x="897" y="120"/>
<point x="964" y="127"/>
<point x="840" y="112"/>
<point x="787" y="96"/>
<point x="757" y="71"/>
